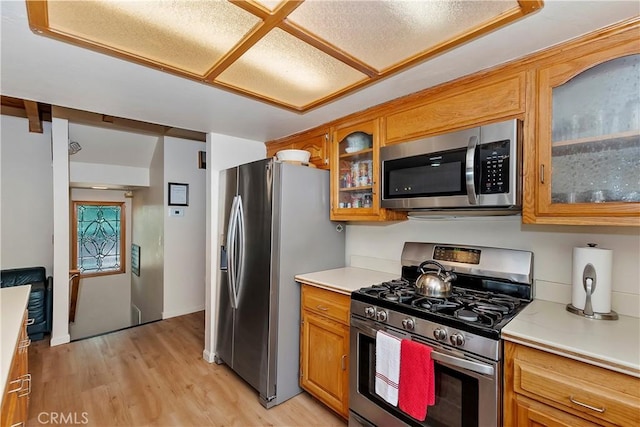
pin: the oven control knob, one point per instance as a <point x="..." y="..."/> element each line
<point x="370" y="312"/>
<point x="457" y="340"/>
<point x="382" y="316"/>
<point x="440" y="334"/>
<point x="408" y="324"/>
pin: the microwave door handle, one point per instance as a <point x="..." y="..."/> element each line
<point x="470" y="169"/>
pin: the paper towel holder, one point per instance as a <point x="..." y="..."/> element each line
<point x="612" y="315"/>
<point x="589" y="281"/>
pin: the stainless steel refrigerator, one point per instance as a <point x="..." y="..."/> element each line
<point x="275" y="224"/>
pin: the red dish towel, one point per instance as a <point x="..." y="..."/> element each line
<point x="417" y="382"/>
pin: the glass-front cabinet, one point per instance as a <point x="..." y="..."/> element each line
<point x="589" y="139"/>
<point x="354" y="174"/>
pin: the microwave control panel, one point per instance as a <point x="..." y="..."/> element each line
<point x="494" y="167"/>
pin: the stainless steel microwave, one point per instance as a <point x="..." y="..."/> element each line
<point x="469" y="170"/>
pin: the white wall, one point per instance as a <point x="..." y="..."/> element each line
<point x="223" y="152"/>
<point x="100" y="174"/>
<point x="184" y="236"/>
<point x="26" y="202"/>
<point x="104" y="301"/>
<point x="380" y="247"/>
<point x="148" y="233"/>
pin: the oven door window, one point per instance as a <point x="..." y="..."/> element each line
<point x="439" y="174"/>
<point x="457" y="394"/>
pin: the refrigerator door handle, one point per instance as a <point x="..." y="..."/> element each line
<point x="240" y="225"/>
<point x="231" y="250"/>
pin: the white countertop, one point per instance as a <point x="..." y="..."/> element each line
<point x="345" y="280"/>
<point x="13" y="302"/>
<point x="611" y="344"/>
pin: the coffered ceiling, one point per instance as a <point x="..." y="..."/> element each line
<point x="49" y="71"/>
<point x="293" y="54"/>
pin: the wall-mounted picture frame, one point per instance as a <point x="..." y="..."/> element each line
<point x="135" y="259"/>
<point x="202" y="159"/>
<point x="178" y="194"/>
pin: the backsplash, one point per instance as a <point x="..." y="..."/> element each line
<point x="378" y="247"/>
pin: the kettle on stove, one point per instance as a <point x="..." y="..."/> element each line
<point x="434" y="283"/>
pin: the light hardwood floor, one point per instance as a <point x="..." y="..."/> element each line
<point x="152" y="375"/>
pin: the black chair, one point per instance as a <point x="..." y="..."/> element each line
<point x="40" y="304"/>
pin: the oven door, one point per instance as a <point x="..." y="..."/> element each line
<point x="467" y="389"/>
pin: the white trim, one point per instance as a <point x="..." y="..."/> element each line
<point x="208" y="356"/>
<point x="62" y="339"/>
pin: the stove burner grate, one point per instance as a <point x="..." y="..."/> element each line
<point x="472" y="306"/>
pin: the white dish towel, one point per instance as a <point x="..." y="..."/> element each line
<point x="387" y="366"/>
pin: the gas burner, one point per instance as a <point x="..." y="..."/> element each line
<point x="435" y="304"/>
<point x="393" y="290"/>
<point x="512" y="303"/>
<point x="488" y="307"/>
<point x="401" y="295"/>
<point x="396" y="284"/>
<point x="477" y="316"/>
<point x="467" y="315"/>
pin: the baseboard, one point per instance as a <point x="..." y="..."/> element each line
<point x="63" y="339"/>
<point x="208" y="356"/>
<point x="176" y="313"/>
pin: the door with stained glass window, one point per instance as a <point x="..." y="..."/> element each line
<point x="98" y="237"/>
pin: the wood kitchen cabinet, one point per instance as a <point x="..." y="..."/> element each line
<point x="484" y="99"/>
<point x="15" y="402"/>
<point x="544" y="389"/>
<point x="315" y="141"/>
<point x="587" y="130"/>
<point x="324" y="347"/>
<point x="355" y="173"/>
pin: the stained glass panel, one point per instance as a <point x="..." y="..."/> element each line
<point x="98" y="242"/>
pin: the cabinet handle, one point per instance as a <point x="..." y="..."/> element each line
<point x="31" y="321"/>
<point x="541" y="174"/>
<point x="26" y="378"/>
<point x="322" y="307"/>
<point x="24" y="344"/>
<point x="342" y="362"/>
<point x="584" y="405"/>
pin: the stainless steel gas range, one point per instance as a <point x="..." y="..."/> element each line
<point x="463" y="331"/>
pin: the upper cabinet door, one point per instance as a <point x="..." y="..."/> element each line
<point x="588" y="131"/>
<point x="355" y="174"/>
<point x="315" y="143"/>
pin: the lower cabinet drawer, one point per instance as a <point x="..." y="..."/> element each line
<point x="595" y="393"/>
<point x="327" y="303"/>
<point x="535" y="414"/>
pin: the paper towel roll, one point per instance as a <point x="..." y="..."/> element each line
<point x="601" y="259"/>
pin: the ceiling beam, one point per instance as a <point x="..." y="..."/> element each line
<point x="33" y="115"/>
<point x="125" y="125"/>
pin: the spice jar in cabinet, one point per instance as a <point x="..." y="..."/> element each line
<point x="588" y="130"/>
<point x="355" y="174"/>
